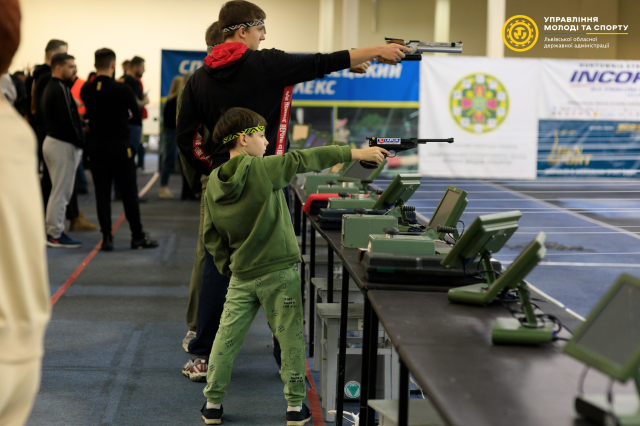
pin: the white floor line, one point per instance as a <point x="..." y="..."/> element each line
<point x="535" y="192"/>
<point x="497" y="255"/>
<point x="579" y="233"/>
<point x="575" y="314"/>
<point x="588" y="219"/>
<point x="541" y="199"/>
<point x="595" y="209"/>
<point x="574" y="227"/>
<point x="556" y="302"/>
<point x="149" y="184"/>
<point x="583" y="264"/>
<point x="480" y="212"/>
<point x="445" y="181"/>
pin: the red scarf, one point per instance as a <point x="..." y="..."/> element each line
<point x="225" y="54"/>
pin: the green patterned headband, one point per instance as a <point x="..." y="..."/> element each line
<point x="245" y="131"/>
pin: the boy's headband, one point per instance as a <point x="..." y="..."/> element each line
<point x="245" y="131"/>
<point x="244" y="25"/>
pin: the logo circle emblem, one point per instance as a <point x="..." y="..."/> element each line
<point x="520" y="33"/>
<point x="479" y="103"/>
<point x="352" y="389"/>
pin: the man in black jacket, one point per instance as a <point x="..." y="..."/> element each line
<point x="111" y="106"/>
<point x="40" y="79"/>
<point x="62" y="147"/>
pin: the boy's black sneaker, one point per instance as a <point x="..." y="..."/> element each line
<point x="107" y="243"/>
<point x="211" y="416"/>
<point x="144" y="243"/>
<point x="298" y="418"/>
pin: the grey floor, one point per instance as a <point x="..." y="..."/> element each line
<point x="113" y="346"/>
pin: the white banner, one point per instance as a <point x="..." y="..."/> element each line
<point x="589" y="115"/>
<point x="589" y="90"/>
<point x="489" y="107"/>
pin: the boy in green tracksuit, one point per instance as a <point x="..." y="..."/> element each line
<point x="248" y="231"/>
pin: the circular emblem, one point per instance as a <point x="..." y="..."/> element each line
<point x="520" y="33"/>
<point x="479" y="103"/>
<point x="352" y="390"/>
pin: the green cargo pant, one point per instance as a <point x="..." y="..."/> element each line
<point x="279" y="295"/>
<point x="198" y="265"/>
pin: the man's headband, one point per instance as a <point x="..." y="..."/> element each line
<point x="245" y="131"/>
<point x="244" y="25"/>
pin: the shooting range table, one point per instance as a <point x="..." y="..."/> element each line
<point x="447" y="347"/>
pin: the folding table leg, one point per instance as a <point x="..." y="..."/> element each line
<point x="403" y="404"/>
<point x="297" y="211"/>
<point x="342" y="354"/>
<point x="369" y="364"/>
<point x="304" y="233"/>
<point x="330" y="275"/>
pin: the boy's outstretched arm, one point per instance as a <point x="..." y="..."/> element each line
<point x="281" y="169"/>
<point x="216" y="244"/>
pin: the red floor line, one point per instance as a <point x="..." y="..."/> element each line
<point x="91" y="255"/>
<point x="314" y="401"/>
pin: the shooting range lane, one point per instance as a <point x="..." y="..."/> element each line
<point x="593" y="229"/>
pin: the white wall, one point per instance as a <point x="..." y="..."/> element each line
<point x="144" y="27"/>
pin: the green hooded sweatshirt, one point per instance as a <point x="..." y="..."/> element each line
<point x="247" y="226"/>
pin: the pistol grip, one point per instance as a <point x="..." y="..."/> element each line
<point x="386" y="61"/>
<point x="368" y="164"/>
<point x="357" y="71"/>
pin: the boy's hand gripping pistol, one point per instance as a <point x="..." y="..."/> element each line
<point x="397" y="145"/>
<point x="420" y="47"/>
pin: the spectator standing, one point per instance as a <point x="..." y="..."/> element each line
<point x="62" y="147"/>
<point x="108" y="104"/>
<point x="82" y="185"/>
<point x="41" y="77"/>
<point x="132" y="74"/>
<point x="125" y="67"/>
<point x="24" y="283"/>
<point x="170" y="147"/>
<point x="21" y="102"/>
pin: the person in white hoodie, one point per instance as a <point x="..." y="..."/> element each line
<point x="24" y="282"/>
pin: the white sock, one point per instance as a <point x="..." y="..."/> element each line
<point x="216" y="406"/>
<point x="298" y="408"/>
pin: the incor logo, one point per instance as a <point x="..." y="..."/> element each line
<point x="520" y="33"/>
<point x="479" y="103"/>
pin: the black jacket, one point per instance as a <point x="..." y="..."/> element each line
<point x="41" y="77"/>
<point x="134" y="84"/>
<point x="111" y="106"/>
<point x="256" y="81"/>
<point x="60" y="113"/>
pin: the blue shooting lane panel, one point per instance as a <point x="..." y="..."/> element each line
<point x="582" y="256"/>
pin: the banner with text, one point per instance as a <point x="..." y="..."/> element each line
<point x="489" y="107"/>
<point x="178" y="62"/>
<point x="589" y="118"/>
<point x="382" y="83"/>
